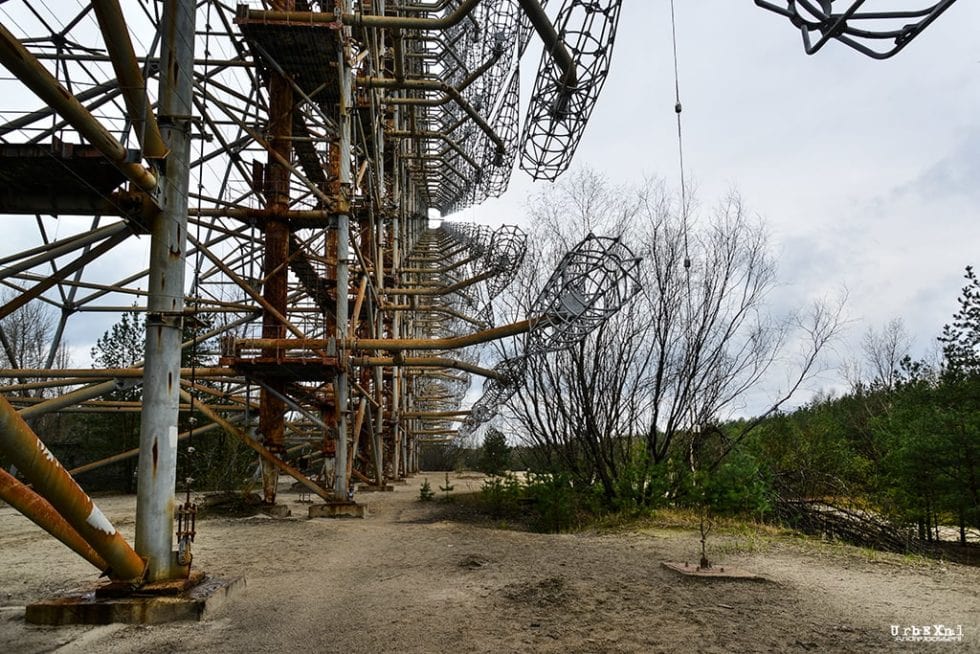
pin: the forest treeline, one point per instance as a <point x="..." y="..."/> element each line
<point x="905" y="444"/>
<point x="891" y="463"/>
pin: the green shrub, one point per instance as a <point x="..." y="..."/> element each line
<point x="554" y="500"/>
<point x="501" y="495"/>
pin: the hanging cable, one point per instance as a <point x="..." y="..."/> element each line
<point x="685" y="227"/>
<point x="187" y="512"/>
<point x="678" y="109"/>
<point x="195" y="285"/>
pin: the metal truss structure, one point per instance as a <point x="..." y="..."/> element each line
<point x="878" y="33"/>
<point x="591" y="283"/>
<point x="256" y="181"/>
<point x="564" y="96"/>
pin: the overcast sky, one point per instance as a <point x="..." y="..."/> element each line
<point x="866" y="172"/>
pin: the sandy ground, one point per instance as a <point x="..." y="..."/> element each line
<point x="406" y="580"/>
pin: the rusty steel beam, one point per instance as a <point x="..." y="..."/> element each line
<point x="358" y="19"/>
<point x="436" y="85"/>
<point x="552" y="41"/>
<point x="157" y="478"/>
<point x="463" y="85"/>
<point x="130" y="77"/>
<point x="74" y="397"/>
<point x="26" y="67"/>
<point x="479" y="324"/>
<point x="312" y="216"/>
<point x="275" y="266"/>
<point x="129" y="454"/>
<point x="447" y="268"/>
<point x="106" y="373"/>
<point x="395" y="344"/>
<point x="345" y="151"/>
<point x="39" y="511"/>
<point x="28" y="405"/>
<point x="267" y="306"/>
<point x="21" y="446"/>
<point x="436" y="414"/>
<point x="535" y="12"/>
<point x="425" y="362"/>
<point x="444" y="290"/>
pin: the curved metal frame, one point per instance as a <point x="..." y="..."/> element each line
<point x="855" y="27"/>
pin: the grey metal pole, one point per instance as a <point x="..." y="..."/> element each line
<point x="343" y="253"/>
<point x="161" y="377"/>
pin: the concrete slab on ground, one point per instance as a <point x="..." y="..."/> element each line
<point x="337" y="510"/>
<point x="714" y="572"/>
<point x="91" y="607"/>
<point x="387" y="488"/>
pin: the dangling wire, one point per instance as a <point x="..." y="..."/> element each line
<point x="195" y="285"/>
<point x="678" y="108"/>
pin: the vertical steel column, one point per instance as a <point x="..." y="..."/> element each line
<point x="343" y="249"/>
<point x="400" y="190"/>
<point x="272" y="408"/>
<point x="165" y="301"/>
<point x="379" y="275"/>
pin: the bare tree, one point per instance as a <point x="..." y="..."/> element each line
<point x="580" y="407"/>
<point x="26" y="340"/>
<point x="883" y="352"/>
<point x="684" y="355"/>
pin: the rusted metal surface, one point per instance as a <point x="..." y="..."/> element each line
<point x="25" y="450"/>
<point x="165" y="303"/>
<point x="81" y="180"/>
<point x="325" y="143"/>
<point x="131" y="82"/>
<point x="275" y="269"/>
<point x="134" y="452"/>
<point x="291" y="17"/>
<point x="394" y="345"/>
<point x="16" y="58"/>
<point x="263" y="453"/>
<point x="45" y="516"/>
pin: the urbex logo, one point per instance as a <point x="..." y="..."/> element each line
<point x="936" y="633"/>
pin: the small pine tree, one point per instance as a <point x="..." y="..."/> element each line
<point x="425" y="492"/>
<point x="447" y="488"/>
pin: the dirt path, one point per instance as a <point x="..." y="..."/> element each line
<point x="404" y="580"/>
